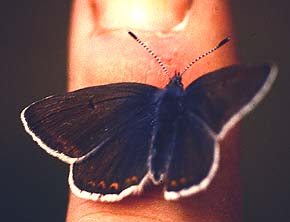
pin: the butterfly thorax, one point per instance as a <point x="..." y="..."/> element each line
<point x="170" y="106"/>
<point x="176" y="84"/>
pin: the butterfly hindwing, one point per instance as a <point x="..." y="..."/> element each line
<point x="194" y="158"/>
<point x="223" y="97"/>
<point x="119" y="167"/>
<point x="70" y="126"/>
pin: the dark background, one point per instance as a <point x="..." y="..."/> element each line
<point x="33" y="53"/>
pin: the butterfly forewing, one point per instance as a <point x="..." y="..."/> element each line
<point x="229" y="92"/>
<point x="72" y="125"/>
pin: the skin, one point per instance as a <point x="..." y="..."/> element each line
<point x="101" y="52"/>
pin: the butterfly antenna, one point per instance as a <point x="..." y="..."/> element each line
<point x="150" y="51"/>
<point x="224" y="41"/>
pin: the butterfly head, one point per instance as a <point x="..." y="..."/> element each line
<point x="175" y="82"/>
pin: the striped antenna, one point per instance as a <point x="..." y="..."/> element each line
<point x="150" y="51"/>
<point x="224" y="41"/>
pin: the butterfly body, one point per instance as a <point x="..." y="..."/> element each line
<point x="169" y="110"/>
<point x="177" y="129"/>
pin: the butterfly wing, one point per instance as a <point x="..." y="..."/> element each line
<point x="213" y="104"/>
<point x="223" y="97"/>
<point x="119" y="167"/>
<point x="103" y="131"/>
<point x="194" y="159"/>
<point x="70" y="126"/>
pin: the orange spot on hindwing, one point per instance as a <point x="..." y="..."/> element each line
<point x="182" y="180"/>
<point x="114" y="186"/>
<point x="102" y="185"/>
<point x="92" y="183"/>
<point x="134" y="179"/>
<point x="127" y="181"/>
<point x="131" y="180"/>
<point x="173" y="183"/>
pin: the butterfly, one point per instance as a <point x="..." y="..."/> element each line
<point x="119" y="136"/>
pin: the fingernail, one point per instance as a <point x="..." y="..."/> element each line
<point x="150" y="15"/>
